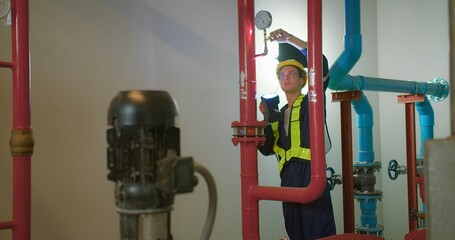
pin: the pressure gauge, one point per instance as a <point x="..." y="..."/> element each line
<point x="263" y="20"/>
<point x="5" y="7"/>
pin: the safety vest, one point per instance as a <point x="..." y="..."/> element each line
<point x="294" y="130"/>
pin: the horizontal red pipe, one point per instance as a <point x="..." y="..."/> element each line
<point x="6" y="225"/>
<point x="6" y="64"/>
<point x="288" y="194"/>
<point x="316" y="103"/>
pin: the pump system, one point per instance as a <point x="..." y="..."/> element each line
<point x="144" y="161"/>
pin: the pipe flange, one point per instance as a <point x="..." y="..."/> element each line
<point x="445" y="89"/>
<point x="375" y="164"/>
<point x="368" y="195"/>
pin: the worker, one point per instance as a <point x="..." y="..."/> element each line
<point x="289" y="139"/>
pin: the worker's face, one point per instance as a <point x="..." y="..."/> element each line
<point x="289" y="78"/>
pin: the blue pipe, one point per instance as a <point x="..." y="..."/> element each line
<point x="364" y="120"/>
<point x="368" y="203"/>
<point x="352" y="46"/>
<point x="338" y="73"/>
<point x="426" y="122"/>
<point x="341" y="80"/>
<point x="437" y="88"/>
<point x="368" y="215"/>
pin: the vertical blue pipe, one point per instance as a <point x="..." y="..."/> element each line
<point x="352" y="46"/>
<point x="364" y="120"/>
<point x="368" y="215"/>
<point x="368" y="203"/>
<point x="426" y="122"/>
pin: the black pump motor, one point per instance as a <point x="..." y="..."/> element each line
<point x="143" y="159"/>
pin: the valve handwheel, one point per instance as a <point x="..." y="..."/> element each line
<point x="393" y="167"/>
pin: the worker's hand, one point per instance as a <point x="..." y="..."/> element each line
<point x="280" y="36"/>
<point x="262" y="107"/>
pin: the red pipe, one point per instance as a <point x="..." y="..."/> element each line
<point x="411" y="164"/>
<point x="251" y="192"/>
<point x="248" y="149"/>
<point x="318" y="174"/>
<point x="21" y="141"/>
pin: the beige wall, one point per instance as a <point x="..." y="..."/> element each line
<point x="84" y="52"/>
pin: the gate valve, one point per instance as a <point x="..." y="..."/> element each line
<point x="332" y="178"/>
<point x="394" y="169"/>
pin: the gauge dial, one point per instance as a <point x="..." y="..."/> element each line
<point x="263" y="20"/>
<point x="5" y="7"/>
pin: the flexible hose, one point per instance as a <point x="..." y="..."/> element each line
<point x="210" y="220"/>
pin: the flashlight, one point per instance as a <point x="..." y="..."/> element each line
<point x="271" y="112"/>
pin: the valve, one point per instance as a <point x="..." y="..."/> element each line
<point x="332" y="178"/>
<point x="395" y="169"/>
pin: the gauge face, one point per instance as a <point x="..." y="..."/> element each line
<point x="5" y="7"/>
<point x="263" y="20"/>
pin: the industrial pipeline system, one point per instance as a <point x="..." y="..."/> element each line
<point x="359" y="178"/>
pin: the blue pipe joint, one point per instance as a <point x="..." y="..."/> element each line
<point x="345" y="62"/>
<point x="368" y="215"/>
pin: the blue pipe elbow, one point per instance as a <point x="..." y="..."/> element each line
<point x="364" y="120"/>
<point x="352" y="47"/>
<point x="426" y="121"/>
<point x="339" y="79"/>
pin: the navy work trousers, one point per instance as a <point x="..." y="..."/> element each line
<point x="311" y="220"/>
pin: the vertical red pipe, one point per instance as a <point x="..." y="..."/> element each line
<point x="251" y="192"/>
<point x="346" y="156"/>
<point x="316" y="96"/>
<point x="316" y="111"/>
<point x="248" y="149"/>
<point x="411" y="164"/>
<point x="21" y="121"/>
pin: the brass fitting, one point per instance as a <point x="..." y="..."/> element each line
<point x="21" y="142"/>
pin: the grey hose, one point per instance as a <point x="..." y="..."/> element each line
<point x="210" y="220"/>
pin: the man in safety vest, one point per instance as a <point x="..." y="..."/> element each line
<point x="289" y="140"/>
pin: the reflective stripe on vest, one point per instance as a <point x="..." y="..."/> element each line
<point x="294" y="129"/>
